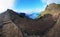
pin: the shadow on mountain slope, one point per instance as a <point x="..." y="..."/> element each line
<point x="15" y="25"/>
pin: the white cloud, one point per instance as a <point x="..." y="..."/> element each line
<point x="51" y="1"/>
<point x="39" y="9"/>
<point x="5" y="4"/>
<point x="29" y="11"/>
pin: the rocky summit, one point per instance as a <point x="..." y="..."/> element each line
<point x="13" y="24"/>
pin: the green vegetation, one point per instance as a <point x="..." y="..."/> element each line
<point x="58" y="5"/>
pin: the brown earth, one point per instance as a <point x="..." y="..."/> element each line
<point x="48" y="25"/>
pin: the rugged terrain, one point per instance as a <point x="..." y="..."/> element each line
<point x="46" y="25"/>
<point x="53" y="9"/>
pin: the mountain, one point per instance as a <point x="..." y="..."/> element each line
<point x="53" y="9"/>
<point x="47" y="24"/>
<point x="55" y="30"/>
<point x="7" y="27"/>
<point x="15" y="25"/>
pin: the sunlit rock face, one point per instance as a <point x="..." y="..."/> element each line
<point x="53" y="9"/>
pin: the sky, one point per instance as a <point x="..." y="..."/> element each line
<point x="5" y="4"/>
<point x="26" y="6"/>
<point x="29" y="5"/>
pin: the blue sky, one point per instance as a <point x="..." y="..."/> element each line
<point x="33" y="7"/>
<point x="25" y="5"/>
<point x="29" y="5"/>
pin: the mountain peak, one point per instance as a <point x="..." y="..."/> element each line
<point x="53" y="9"/>
<point x="53" y="6"/>
<point x="9" y="10"/>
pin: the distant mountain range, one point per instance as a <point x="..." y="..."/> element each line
<point x="33" y="15"/>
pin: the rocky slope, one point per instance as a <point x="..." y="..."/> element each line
<point x="55" y="30"/>
<point x="25" y="25"/>
<point x="15" y="25"/>
<point x="53" y="9"/>
<point x="7" y="27"/>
